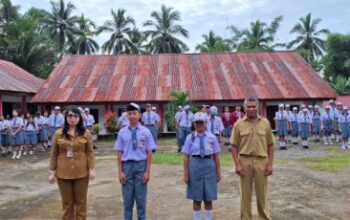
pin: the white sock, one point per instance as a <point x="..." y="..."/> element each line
<point x="197" y="215"/>
<point x="49" y="142"/>
<point x="208" y="214"/>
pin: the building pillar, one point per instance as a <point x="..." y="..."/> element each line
<point x="1" y="111"/>
<point x="264" y="107"/>
<point x="162" y="116"/>
<point x="24" y="105"/>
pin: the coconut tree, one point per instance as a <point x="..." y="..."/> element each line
<point x="84" y="42"/>
<point x="213" y="43"/>
<point x="62" y="23"/>
<point x="163" y="32"/>
<point x="308" y="37"/>
<point x="120" y="26"/>
<point x="259" y="37"/>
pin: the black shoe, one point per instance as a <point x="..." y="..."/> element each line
<point x="283" y="148"/>
<point x="230" y="149"/>
<point x="179" y="150"/>
<point x="295" y="143"/>
<point x="94" y="147"/>
<point x="305" y="147"/>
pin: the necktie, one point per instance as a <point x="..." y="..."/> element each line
<point x="149" y="118"/>
<point x="54" y="123"/>
<point x="14" y="122"/>
<point x="186" y="119"/>
<point x="133" y="138"/>
<point x="212" y="126"/>
<point x="201" y="146"/>
<point x="282" y="116"/>
<point x="346" y="117"/>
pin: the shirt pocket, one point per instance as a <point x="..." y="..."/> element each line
<point x="262" y="136"/>
<point x="245" y="134"/>
<point x="142" y="141"/>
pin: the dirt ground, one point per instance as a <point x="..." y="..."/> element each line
<point x="295" y="192"/>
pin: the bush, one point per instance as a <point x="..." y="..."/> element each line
<point x="110" y="122"/>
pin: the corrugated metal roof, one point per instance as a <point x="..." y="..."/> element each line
<point x="345" y="100"/>
<point x="212" y="76"/>
<point x="16" y="79"/>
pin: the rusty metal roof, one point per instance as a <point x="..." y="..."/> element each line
<point x="211" y="76"/>
<point x="15" y="79"/>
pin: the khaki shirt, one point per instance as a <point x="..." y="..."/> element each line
<point x="252" y="139"/>
<point x="83" y="156"/>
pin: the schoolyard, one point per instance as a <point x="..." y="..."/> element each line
<point x="307" y="185"/>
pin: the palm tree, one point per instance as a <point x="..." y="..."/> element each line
<point x="138" y="39"/>
<point x="61" y="23"/>
<point x="213" y="43"/>
<point x="121" y="27"/>
<point x="260" y="36"/>
<point x="84" y="42"/>
<point x="164" y="30"/>
<point x="8" y="12"/>
<point x="308" y="37"/>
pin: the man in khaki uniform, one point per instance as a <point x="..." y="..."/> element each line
<point x="252" y="151"/>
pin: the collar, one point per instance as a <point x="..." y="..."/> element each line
<point x="196" y="134"/>
<point x="245" y="118"/>
<point x="137" y="127"/>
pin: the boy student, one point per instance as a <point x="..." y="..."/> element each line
<point x="134" y="148"/>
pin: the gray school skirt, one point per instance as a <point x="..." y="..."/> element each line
<point x="202" y="184"/>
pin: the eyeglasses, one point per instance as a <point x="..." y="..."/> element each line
<point x="72" y="116"/>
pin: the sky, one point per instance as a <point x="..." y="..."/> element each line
<point x="200" y="16"/>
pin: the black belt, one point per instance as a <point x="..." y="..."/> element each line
<point x="132" y="161"/>
<point x="149" y="125"/>
<point x="205" y="156"/>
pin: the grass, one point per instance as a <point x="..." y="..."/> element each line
<point x="177" y="159"/>
<point x="337" y="161"/>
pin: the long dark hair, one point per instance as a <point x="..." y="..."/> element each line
<point x="80" y="126"/>
<point x="28" y="123"/>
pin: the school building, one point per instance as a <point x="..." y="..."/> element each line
<point x="17" y="87"/>
<point x="108" y="82"/>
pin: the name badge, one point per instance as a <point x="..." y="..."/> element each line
<point x="70" y="152"/>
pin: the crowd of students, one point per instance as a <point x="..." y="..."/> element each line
<point x="25" y="134"/>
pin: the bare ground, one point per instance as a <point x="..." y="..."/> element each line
<point x="295" y="192"/>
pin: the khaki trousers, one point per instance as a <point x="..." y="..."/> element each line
<point x="74" y="197"/>
<point x="254" y="172"/>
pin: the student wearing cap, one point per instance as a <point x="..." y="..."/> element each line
<point x="89" y="119"/>
<point x="134" y="148"/>
<point x="316" y="123"/>
<point x="301" y="109"/>
<point x="281" y="120"/>
<point x="56" y="121"/>
<point x="72" y="164"/>
<point x="253" y="152"/>
<point x="333" y="109"/>
<point x="344" y="123"/>
<point x="123" y="120"/>
<point x="185" y="124"/>
<point x="228" y="119"/>
<point x="151" y="121"/>
<point x="214" y="123"/>
<point x="177" y="117"/>
<point x="201" y="167"/>
<point x="289" y="131"/>
<point x="327" y="125"/>
<point x="305" y="128"/>
<point x="203" y="112"/>
<point x="293" y="125"/>
<point x="337" y="113"/>
<point x="16" y="134"/>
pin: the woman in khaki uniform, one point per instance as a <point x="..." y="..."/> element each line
<point x="72" y="163"/>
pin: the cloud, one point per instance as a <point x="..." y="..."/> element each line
<point x="200" y="16"/>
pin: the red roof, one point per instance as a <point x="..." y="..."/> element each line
<point x="16" y="79"/>
<point x="345" y="100"/>
<point x="211" y="76"/>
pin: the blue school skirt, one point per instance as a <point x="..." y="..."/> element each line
<point x="336" y="124"/>
<point x="345" y="130"/>
<point x="202" y="185"/>
<point x="18" y="140"/>
<point x="282" y="128"/>
<point x="5" y="139"/>
<point x="328" y="128"/>
<point x="227" y="132"/>
<point x="43" y="135"/>
<point x="295" y="129"/>
<point x="316" y="125"/>
<point x="31" y="137"/>
<point x="304" y="133"/>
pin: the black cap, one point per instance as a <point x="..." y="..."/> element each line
<point x="133" y="107"/>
